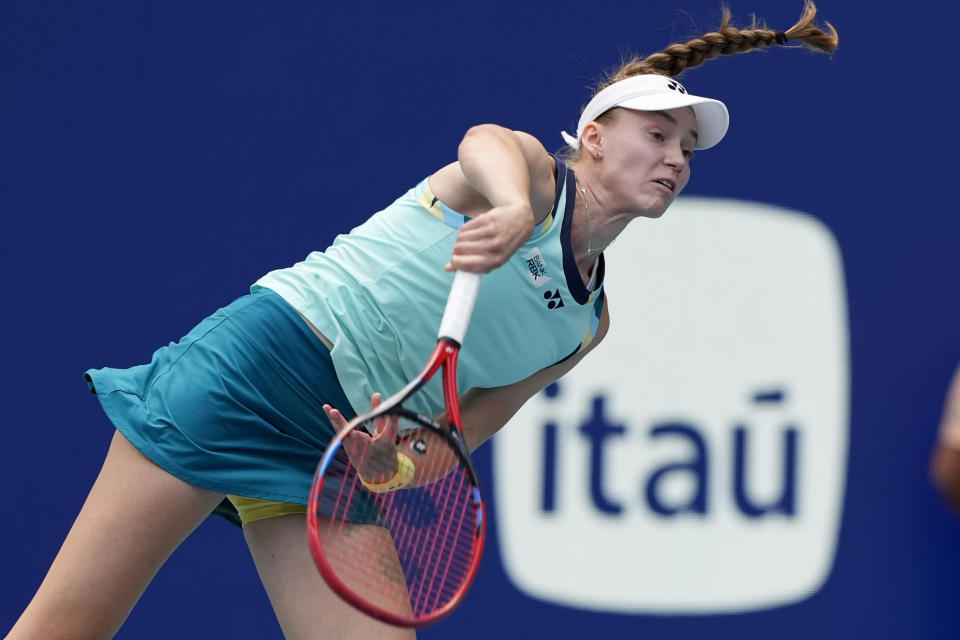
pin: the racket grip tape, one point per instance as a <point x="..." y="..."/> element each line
<point x="456" y="315"/>
<point x="400" y="479"/>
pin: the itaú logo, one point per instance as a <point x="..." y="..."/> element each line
<point x="695" y="462"/>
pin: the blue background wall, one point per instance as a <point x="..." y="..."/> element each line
<point x="156" y="158"/>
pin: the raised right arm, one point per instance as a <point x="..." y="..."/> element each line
<point x="504" y="180"/>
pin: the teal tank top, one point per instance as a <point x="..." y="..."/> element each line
<point x="378" y="294"/>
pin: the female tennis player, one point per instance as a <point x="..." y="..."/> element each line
<point x="242" y="407"/>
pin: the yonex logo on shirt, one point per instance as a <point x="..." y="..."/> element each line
<point x="555" y="301"/>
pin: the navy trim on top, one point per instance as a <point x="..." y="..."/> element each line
<point x="601" y="270"/>
<point x="574" y="281"/>
<point x="560" y="181"/>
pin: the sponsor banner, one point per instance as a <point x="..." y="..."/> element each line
<point x="695" y="463"/>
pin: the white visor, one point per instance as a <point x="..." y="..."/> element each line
<point x="653" y="92"/>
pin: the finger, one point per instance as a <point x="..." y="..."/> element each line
<point x="476" y="264"/>
<point x="375" y="402"/>
<point x="490" y="246"/>
<point x="483" y="237"/>
<point x="335" y="417"/>
<point x="391" y="428"/>
<point x="481" y="229"/>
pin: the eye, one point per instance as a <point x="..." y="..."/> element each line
<point x="688" y="154"/>
<point x="658" y="136"/>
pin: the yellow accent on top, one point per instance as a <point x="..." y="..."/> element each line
<point x="430" y="202"/>
<point x="435" y="207"/>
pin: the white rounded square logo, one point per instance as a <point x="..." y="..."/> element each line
<point x="695" y="463"/>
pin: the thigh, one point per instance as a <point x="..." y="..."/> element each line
<point x="135" y="516"/>
<point x="305" y="606"/>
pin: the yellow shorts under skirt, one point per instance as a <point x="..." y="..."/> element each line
<point x="252" y="509"/>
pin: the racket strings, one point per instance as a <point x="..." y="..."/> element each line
<point x="435" y="540"/>
<point x="353" y="561"/>
<point x="443" y="549"/>
<point x="422" y="549"/>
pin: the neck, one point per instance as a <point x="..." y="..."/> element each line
<point x="593" y="229"/>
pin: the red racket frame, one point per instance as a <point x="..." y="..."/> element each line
<point x="444" y="355"/>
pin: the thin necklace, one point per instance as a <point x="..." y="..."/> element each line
<point x="586" y="209"/>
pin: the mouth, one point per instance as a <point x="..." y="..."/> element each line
<point x="669" y="184"/>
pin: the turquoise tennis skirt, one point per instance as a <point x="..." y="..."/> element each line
<point x="235" y="406"/>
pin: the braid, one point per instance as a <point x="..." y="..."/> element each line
<point x="728" y="40"/>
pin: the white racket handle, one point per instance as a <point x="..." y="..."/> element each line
<point x="456" y="316"/>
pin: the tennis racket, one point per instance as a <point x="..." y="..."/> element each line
<point x="395" y="517"/>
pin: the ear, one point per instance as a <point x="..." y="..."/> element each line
<point x="591" y="139"/>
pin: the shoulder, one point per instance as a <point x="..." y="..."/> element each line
<point x="541" y="163"/>
<point x="543" y="173"/>
<point x="533" y="149"/>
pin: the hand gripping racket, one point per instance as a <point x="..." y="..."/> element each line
<point x="395" y="517"/>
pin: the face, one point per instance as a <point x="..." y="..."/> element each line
<point x="646" y="158"/>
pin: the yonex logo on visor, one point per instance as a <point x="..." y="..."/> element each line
<point x="652" y="92"/>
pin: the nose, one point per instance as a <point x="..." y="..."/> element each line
<point x="674" y="157"/>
